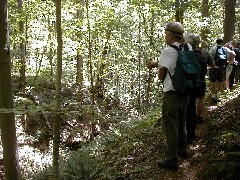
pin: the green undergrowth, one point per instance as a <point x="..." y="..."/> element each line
<point x="129" y="150"/>
<point x="123" y="152"/>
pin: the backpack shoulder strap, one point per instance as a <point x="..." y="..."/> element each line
<point x="186" y="48"/>
<point x="175" y="47"/>
<point x="198" y="51"/>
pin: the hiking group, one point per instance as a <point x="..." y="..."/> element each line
<point x="182" y="68"/>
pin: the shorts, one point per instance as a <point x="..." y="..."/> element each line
<point x="237" y="71"/>
<point x="200" y="92"/>
<point x="229" y="69"/>
<point x="217" y="74"/>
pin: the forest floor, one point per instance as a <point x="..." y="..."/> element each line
<point x="215" y="154"/>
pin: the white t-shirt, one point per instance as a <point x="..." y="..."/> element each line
<point x="168" y="59"/>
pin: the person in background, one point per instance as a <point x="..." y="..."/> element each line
<point x="174" y="105"/>
<point x="229" y="67"/>
<point x="232" y="74"/>
<point x="218" y="73"/>
<point x="237" y="60"/>
<point x="195" y="110"/>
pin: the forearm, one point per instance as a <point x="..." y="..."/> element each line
<point x="162" y="73"/>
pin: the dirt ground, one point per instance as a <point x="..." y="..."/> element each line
<point x="216" y="152"/>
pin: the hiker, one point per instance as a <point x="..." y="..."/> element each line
<point x="229" y="67"/>
<point x="237" y="59"/>
<point x="222" y="56"/>
<point x="174" y="105"/>
<point x="232" y="74"/>
<point x="195" y="111"/>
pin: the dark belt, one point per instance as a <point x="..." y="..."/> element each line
<point x="171" y="92"/>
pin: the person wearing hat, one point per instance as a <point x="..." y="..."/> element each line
<point x="195" y="111"/>
<point x="174" y="105"/>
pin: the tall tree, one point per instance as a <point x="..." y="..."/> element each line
<point x="179" y="11"/>
<point x="7" y="119"/>
<point x="22" y="47"/>
<point x="90" y="52"/>
<point x="57" y="118"/>
<point x="139" y="64"/>
<point x="79" y="78"/>
<point x="229" y="20"/>
<point x="205" y="15"/>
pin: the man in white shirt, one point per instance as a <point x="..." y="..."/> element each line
<point x="174" y="105"/>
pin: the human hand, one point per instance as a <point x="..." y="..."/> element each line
<point x="152" y="64"/>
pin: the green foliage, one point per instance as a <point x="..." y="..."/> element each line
<point x="124" y="36"/>
<point x="45" y="174"/>
<point x="79" y="165"/>
<point x="107" y="156"/>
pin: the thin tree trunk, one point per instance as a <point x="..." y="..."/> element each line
<point x="7" y="120"/>
<point x="90" y="69"/>
<point x="22" y="50"/>
<point x="38" y="68"/>
<point x="51" y="29"/>
<point x="139" y="66"/>
<point x="99" y="85"/>
<point x="79" y="78"/>
<point x="229" y="20"/>
<point x="205" y="30"/>
<point x="90" y="53"/>
<point x="151" y="55"/>
<point x="179" y="11"/>
<point x="57" y="118"/>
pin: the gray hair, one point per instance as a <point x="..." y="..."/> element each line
<point x="193" y="39"/>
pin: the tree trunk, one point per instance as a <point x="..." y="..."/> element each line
<point x="7" y="119"/>
<point x="50" y="53"/>
<point x="139" y="66"/>
<point x="179" y="11"/>
<point x="57" y="118"/>
<point x="79" y="79"/>
<point x="99" y="85"/>
<point x="90" y="69"/>
<point x="90" y="53"/>
<point x="229" y="20"/>
<point x="22" y="49"/>
<point x="205" y="30"/>
<point x="151" y="55"/>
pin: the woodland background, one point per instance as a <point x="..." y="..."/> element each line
<point x="74" y="84"/>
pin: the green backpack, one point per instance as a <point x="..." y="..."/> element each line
<point x="186" y="78"/>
